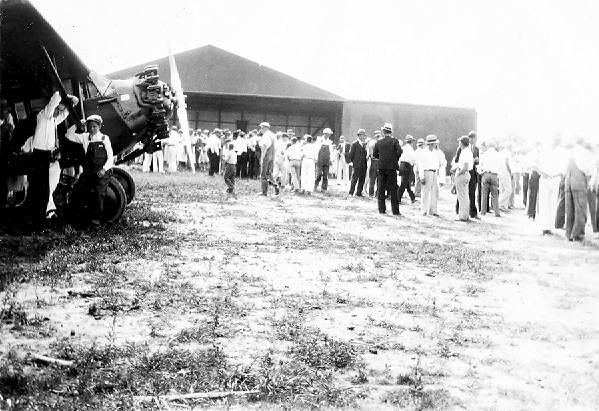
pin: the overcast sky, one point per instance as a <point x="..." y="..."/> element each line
<point x="527" y="67"/>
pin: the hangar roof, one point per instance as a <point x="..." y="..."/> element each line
<point x="212" y="70"/>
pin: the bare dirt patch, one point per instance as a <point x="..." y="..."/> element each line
<point x="309" y="302"/>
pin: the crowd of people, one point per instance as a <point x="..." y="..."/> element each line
<point x="558" y="182"/>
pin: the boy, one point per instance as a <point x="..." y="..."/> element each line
<point x="230" y="160"/>
<point x="97" y="164"/>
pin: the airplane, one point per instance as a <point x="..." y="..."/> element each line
<point x="35" y="60"/>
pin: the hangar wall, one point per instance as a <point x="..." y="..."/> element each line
<point x="447" y="123"/>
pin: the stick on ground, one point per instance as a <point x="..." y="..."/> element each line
<point x="49" y="360"/>
<point x="195" y="395"/>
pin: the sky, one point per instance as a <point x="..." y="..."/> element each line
<point x="529" y="68"/>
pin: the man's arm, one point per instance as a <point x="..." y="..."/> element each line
<point x="375" y="151"/>
<point x="51" y="106"/>
<point x="110" y="157"/>
<point x="352" y="153"/>
<point x="73" y="136"/>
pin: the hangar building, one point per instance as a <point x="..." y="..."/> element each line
<point x="228" y="91"/>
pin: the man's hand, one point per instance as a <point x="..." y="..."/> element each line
<point x="422" y="181"/>
<point x="81" y="126"/>
<point x="74" y="100"/>
<point x="101" y="172"/>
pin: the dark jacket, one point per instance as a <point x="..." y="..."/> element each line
<point x="388" y="151"/>
<point x="357" y="155"/>
<point x="324" y="155"/>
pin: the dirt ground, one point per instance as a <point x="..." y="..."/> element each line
<point x="307" y="301"/>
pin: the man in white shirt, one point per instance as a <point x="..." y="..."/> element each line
<point x="579" y="173"/>
<point x="417" y="154"/>
<point x="45" y="156"/>
<point x="213" y="146"/>
<point x="267" y="158"/>
<point x="462" y="167"/>
<point x="294" y="156"/>
<point x="428" y="170"/>
<point x="551" y="167"/>
<point x="406" y="169"/>
<point x="240" y="145"/>
<point x="489" y="166"/>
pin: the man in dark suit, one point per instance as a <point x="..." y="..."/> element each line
<point x="358" y="158"/>
<point x="387" y="151"/>
<point x="475" y="179"/>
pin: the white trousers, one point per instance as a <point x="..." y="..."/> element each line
<point x="158" y="161"/>
<point x="342" y="169"/>
<point x="54" y="176"/>
<point x="145" y="167"/>
<point x="170" y="154"/>
<point x="505" y="190"/>
<point x="547" y="201"/>
<point x="308" y="175"/>
<point x="430" y="192"/>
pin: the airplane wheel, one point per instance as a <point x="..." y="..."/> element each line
<point x="114" y="202"/>
<point x="126" y="181"/>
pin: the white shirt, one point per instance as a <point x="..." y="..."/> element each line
<point x="584" y="161"/>
<point x="213" y="143"/>
<point x="466" y="160"/>
<point x="408" y="155"/>
<point x="490" y="161"/>
<point x="268" y="139"/>
<point x="84" y="139"/>
<point x="280" y="148"/>
<point x="428" y="160"/>
<point x="240" y="145"/>
<point x="309" y="151"/>
<point x="294" y="152"/>
<point x="45" y="129"/>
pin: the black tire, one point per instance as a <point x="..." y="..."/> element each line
<point x="126" y="181"/>
<point x="114" y="202"/>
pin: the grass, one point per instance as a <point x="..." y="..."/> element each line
<point x="213" y="316"/>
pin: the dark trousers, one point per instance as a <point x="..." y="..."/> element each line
<point x="576" y="213"/>
<point x="560" y="214"/>
<point x="472" y="193"/>
<point x="322" y="172"/>
<point x="230" y="177"/>
<point x="533" y="191"/>
<point x="358" y="176"/>
<point x="251" y="164"/>
<point x="257" y="164"/>
<point x="372" y="175"/>
<point x="387" y="183"/>
<point x="406" y="182"/>
<point x="91" y="192"/>
<point x="242" y="165"/>
<point x="39" y="186"/>
<point x="214" y="163"/>
<point x="525" y="178"/>
<point x="267" y="178"/>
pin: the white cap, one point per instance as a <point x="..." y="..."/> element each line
<point x="327" y="131"/>
<point x="95" y="118"/>
<point x="265" y="124"/>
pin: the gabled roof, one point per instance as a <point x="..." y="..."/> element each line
<point x="212" y="70"/>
